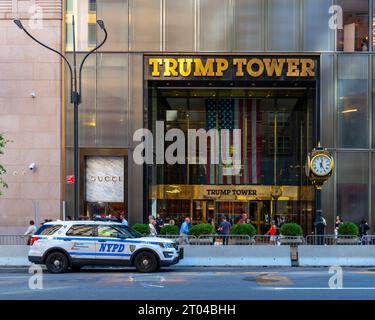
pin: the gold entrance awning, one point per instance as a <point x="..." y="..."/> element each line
<point x="231" y="192"/>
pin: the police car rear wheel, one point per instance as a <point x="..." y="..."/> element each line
<point x="146" y="262"/>
<point x="57" y="262"/>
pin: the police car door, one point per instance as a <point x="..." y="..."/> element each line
<point x="79" y="242"/>
<point x="109" y="246"/>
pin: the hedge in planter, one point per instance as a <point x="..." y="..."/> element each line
<point x="169" y="230"/>
<point x="348" y="229"/>
<point x="243" y="229"/>
<point x="291" y="230"/>
<point x="201" y="229"/>
<point x="142" y="228"/>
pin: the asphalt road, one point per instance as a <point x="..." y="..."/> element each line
<point x="181" y="283"/>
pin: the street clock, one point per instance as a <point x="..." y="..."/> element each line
<point x="319" y="166"/>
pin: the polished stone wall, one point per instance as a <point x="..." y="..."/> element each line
<point x="32" y="124"/>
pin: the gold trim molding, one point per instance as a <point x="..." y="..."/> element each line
<point x="230" y="192"/>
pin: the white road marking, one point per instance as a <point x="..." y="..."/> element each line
<point x="151" y="285"/>
<point x="323" y="288"/>
<point x="32" y="291"/>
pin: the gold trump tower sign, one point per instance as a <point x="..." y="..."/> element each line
<point x="269" y="67"/>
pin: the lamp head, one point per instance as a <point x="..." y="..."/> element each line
<point x="101" y="24"/>
<point x="18" y="23"/>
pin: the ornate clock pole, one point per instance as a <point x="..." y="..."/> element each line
<point x="319" y="168"/>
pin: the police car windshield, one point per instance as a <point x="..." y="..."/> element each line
<point x="130" y="233"/>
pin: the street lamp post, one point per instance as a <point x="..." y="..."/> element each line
<point x="75" y="95"/>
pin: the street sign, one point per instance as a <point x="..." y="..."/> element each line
<point x="70" y="179"/>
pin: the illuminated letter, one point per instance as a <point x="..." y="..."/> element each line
<point x="155" y="66"/>
<point x="239" y="63"/>
<point x="185" y="72"/>
<point x="274" y="66"/>
<point x="308" y="66"/>
<point x="250" y="70"/>
<point x="293" y="68"/>
<point x="170" y="66"/>
<point x="221" y="65"/>
<point x="206" y="70"/>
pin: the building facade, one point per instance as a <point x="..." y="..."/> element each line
<point x="299" y="72"/>
<point x="30" y="113"/>
<point x="281" y="117"/>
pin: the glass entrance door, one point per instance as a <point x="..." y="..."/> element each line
<point x="260" y="215"/>
<point x="202" y="210"/>
<point x="233" y="210"/>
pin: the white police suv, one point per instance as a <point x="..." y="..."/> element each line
<point x="73" y="244"/>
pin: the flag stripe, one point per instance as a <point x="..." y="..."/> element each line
<point x="254" y="141"/>
<point x="249" y="146"/>
<point x="245" y="146"/>
<point x="259" y="141"/>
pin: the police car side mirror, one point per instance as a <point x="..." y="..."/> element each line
<point x="121" y="236"/>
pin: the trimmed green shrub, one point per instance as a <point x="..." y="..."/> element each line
<point x="291" y="230"/>
<point x="348" y="229"/>
<point x="142" y="228"/>
<point x="199" y="229"/>
<point x="169" y="230"/>
<point x="243" y="229"/>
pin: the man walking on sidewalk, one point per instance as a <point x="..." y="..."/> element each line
<point x="30" y="231"/>
<point x="224" y="229"/>
<point x="184" y="231"/>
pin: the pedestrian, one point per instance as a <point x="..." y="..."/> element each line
<point x="159" y="223"/>
<point x="30" y="231"/>
<point x="123" y="220"/>
<point x="184" y="231"/>
<point x="224" y="230"/>
<point x="211" y="222"/>
<point x="337" y="225"/>
<point x="281" y="221"/>
<point x="152" y="225"/>
<point x="243" y="219"/>
<point x="272" y="232"/>
<point x="363" y="228"/>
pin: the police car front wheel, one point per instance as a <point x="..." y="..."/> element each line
<point x="57" y="262"/>
<point x="146" y="262"/>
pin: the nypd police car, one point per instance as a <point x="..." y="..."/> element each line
<point x="61" y="245"/>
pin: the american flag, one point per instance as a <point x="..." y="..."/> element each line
<point x="243" y="114"/>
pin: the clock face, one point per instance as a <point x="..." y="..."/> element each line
<point x="321" y="165"/>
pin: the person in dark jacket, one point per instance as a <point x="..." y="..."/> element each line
<point x="363" y="228"/>
<point x="224" y="229"/>
<point x="159" y="223"/>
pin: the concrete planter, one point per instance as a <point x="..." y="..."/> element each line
<point x="242" y="241"/>
<point x="348" y="241"/>
<point x="202" y="241"/>
<point x="291" y="242"/>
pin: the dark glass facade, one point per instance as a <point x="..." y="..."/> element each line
<point x="116" y="94"/>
